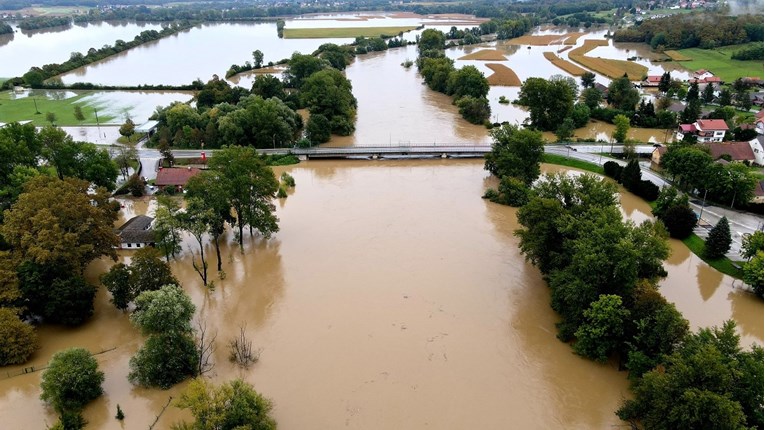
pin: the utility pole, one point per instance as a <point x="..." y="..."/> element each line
<point x="37" y="111"/>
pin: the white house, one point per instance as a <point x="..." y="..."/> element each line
<point x="758" y="149"/>
<point x="705" y="130"/>
<point x="136" y="233"/>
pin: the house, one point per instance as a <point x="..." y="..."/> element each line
<point x="656" y="157"/>
<point x="707" y="80"/>
<point x="758" y="149"/>
<point x="702" y="74"/>
<point x="705" y="130"/>
<point x="751" y="81"/>
<point x="602" y="88"/>
<point x="651" y="81"/>
<point x="136" y="233"/>
<point x="758" y="124"/>
<point x="148" y="128"/>
<point x="676" y="107"/>
<point x="175" y="176"/>
<point x="756" y="98"/>
<point x="759" y="195"/>
<point x="737" y="151"/>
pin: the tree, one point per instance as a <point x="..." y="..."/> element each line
<point x="436" y="72"/>
<point x="707" y="381"/>
<point x="17" y="340"/>
<point x="565" y="131"/>
<point x="691" y="113"/>
<point x="688" y="166"/>
<point x="516" y="153"/>
<point x="71" y="380"/>
<point x="431" y="39"/>
<point x="197" y="220"/>
<point x="709" y="93"/>
<point x="622" y="94"/>
<point x="549" y="102"/>
<point x="208" y="188"/>
<point x="588" y="80"/>
<point x="751" y="244"/>
<point x="467" y="81"/>
<point x="78" y="115"/>
<point x="592" y="97"/>
<point x="300" y="67"/>
<point x="328" y="93"/>
<point x="127" y="129"/>
<point x="743" y="101"/>
<point x="250" y="186"/>
<point x="630" y="176"/>
<point x="146" y="272"/>
<point x="257" y="56"/>
<point x="693" y="92"/>
<point x="233" y="405"/>
<point x="76" y="159"/>
<point x="601" y="333"/>
<point x="61" y="221"/>
<point x="622" y="127"/>
<point x="753" y="272"/>
<point x="268" y="86"/>
<point x="124" y="159"/>
<point x="474" y="110"/>
<point x="167" y="228"/>
<point x="719" y="240"/>
<point x="665" y="82"/>
<point x="725" y="98"/>
<point x="580" y="115"/>
<point x="680" y="221"/>
<point x="51" y="117"/>
<point x="318" y="129"/>
<point x="169" y="354"/>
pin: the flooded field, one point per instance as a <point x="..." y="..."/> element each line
<point x="21" y="50"/>
<point x="392" y="297"/>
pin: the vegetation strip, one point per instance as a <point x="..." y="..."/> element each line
<point x="723" y="265"/>
<point x="485" y="55"/>
<point x="542" y="40"/>
<point x="571" y="162"/>
<point x="567" y="66"/>
<point x="321" y="33"/>
<point x="503" y="76"/>
<point x="572" y="38"/>
<point x="677" y="56"/>
<point x="612" y="68"/>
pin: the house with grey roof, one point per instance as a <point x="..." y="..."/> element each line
<point x="136" y="233"/>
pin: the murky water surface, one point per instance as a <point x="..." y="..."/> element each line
<point x="392" y="297"/>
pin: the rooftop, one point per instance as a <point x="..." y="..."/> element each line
<point x="738" y="151"/>
<point x="175" y="176"/>
<point x="711" y="124"/>
<point x="137" y="230"/>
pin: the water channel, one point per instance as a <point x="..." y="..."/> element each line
<point x="392" y="297"/>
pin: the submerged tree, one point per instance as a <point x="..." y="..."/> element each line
<point x="71" y="381"/>
<point x="233" y="405"/>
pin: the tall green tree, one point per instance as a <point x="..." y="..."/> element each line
<point x="250" y="186"/>
<point x="622" y="94"/>
<point x="709" y="93"/>
<point x="300" y="67"/>
<point x="665" y="82"/>
<point x="601" y="333"/>
<point x="146" y="272"/>
<point x="197" y="220"/>
<point x="549" y="102"/>
<point x="622" y="127"/>
<point x="328" y="93"/>
<point x="752" y="243"/>
<point x="127" y="129"/>
<point x="719" y="240"/>
<point x="257" y="56"/>
<point x="467" y="81"/>
<point x="753" y="272"/>
<point x="693" y="92"/>
<point x="516" y="153"/>
<point x="167" y="228"/>
<point x="18" y="340"/>
<point x="431" y="39"/>
<point x="588" y="80"/>
<point x="207" y="187"/>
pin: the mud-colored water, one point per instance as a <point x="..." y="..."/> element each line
<point x="19" y="52"/>
<point x="392" y="297"/>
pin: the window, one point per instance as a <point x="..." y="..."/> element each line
<point x="130" y="245"/>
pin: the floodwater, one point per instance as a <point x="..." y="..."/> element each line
<point x="392" y="297"/>
<point x="20" y="51"/>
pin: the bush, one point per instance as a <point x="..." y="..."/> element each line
<point x="17" y="340"/>
<point x="612" y="169"/>
<point x="474" y="110"/>
<point x="647" y="190"/>
<point x="164" y="360"/>
<point x="282" y="193"/>
<point x="288" y="179"/>
<point x="680" y="221"/>
<point x="71" y="380"/>
<point x="490" y="194"/>
<point x="512" y="192"/>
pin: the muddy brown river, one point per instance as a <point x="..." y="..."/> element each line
<point x="392" y="297"/>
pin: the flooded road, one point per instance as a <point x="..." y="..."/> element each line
<point x="392" y="297"/>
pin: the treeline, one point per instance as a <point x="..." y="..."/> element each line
<point x="703" y="30"/>
<point x="5" y="28"/>
<point x="467" y="86"/>
<point x="37" y="22"/>
<point x="265" y="117"/>
<point x="603" y="276"/>
<point x="36" y="76"/>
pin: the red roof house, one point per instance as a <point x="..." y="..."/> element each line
<point x="175" y="176"/>
<point x="738" y="151"/>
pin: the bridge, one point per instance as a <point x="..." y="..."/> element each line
<point x="392" y="152"/>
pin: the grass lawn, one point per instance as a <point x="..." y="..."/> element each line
<point x="724" y="265"/>
<point x="718" y="62"/>
<point x="24" y="109"/>
<point x="570" y="162"/>
<point x="321" y="33"/>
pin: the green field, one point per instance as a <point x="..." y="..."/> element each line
<point x="24" y="109"/>
<point x="718" y="62"/>
<point x="572" y="162"/>
<point x="322" y="33"/>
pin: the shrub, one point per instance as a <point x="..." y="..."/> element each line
<point x="612" y="169"/>
<point x="680" y="221"/>
<point x="288" y="180"/>
<point x="282" y="193"/>
<point x="491" y="194"/>
<point x="17" y="340"/>
<point x="71" y="380"/>
<point x="512" y="192"/>
<point x="647" y="190"/>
